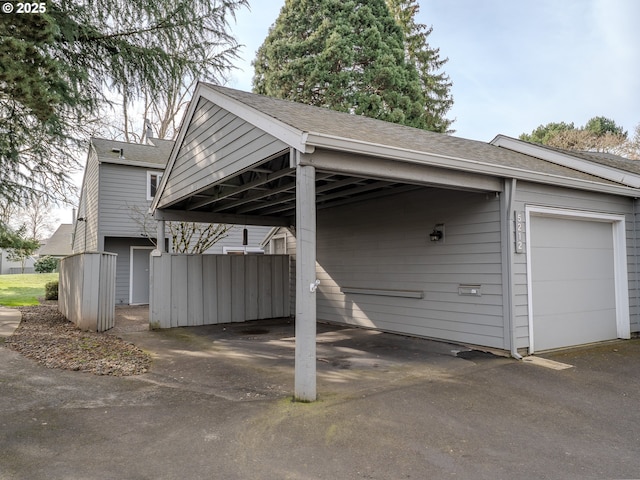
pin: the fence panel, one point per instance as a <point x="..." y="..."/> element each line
<point x="190" y="290"/>
<point x="87" y="290"/>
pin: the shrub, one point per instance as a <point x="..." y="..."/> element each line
<point x="46" y="264"/>
<point x="51" y="290"/>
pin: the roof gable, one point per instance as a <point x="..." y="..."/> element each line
<point x="307" y="129"/>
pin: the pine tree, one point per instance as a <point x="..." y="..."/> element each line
<point x="346" y="55"/>
<point x="57" y="66"/>
<point x="436" y="85"/>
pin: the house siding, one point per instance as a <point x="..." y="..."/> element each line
<point x="528" y="194"/>
<point x="383" y="245"/>
<point x="215" y="144"/>
<point x="86" y="232"/>
<point x="123" y="201"/>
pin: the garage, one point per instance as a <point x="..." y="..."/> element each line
<point x="575" y="278"/>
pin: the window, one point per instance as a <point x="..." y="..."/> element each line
<point x="153" y="182"/>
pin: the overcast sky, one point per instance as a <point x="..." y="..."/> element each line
<point x="514" y="64"/>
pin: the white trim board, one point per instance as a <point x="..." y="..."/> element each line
<point x="619" y="254"/>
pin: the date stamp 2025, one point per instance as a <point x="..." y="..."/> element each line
<point x="24" y="7"/>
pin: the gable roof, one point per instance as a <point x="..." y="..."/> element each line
<point x="134" y="154"/>
<point x="59" y="244"/>
<point x="307" y="128"/>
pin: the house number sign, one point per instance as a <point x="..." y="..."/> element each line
<point x="520" y="232"/>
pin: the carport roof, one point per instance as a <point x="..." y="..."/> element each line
<point x="325" y="128"/>
<point x="310" y="129"/>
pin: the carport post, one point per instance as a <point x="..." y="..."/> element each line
<point x="305" y="360"/>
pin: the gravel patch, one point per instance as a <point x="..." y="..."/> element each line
<point x="47" y="337"/>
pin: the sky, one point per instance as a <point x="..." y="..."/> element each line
<point x="514" y="64"/>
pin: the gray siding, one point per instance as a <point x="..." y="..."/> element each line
<point x="123" y="201"/>
<point x="216" y="144"/>
<point x="86" y="232"/>
<point x="122" y="247"/>
<point x="384" y="245"/>
<point x="550" y="196"/>
<point x="234" y="238"/>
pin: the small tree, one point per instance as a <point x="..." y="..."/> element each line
<point x="22" y="248"/>
<point x="187" y="237"/>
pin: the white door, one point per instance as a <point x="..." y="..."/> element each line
<point x="573" y="284"/>
<point x="139" y="278"/>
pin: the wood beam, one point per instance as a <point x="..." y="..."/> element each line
<point x="213" y="217"/>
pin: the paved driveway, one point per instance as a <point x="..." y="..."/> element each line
<point x="216" y="405"/>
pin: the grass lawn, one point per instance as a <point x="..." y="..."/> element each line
<point x="23" y="290"/>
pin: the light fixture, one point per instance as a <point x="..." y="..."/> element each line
<point x="438" y="233"/>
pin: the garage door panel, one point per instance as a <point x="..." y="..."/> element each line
<point x="557" y="232"/>
<point x="598" y="263"/>
<point x="573" y="282"/>
<point x="574" y="329"/>
<point x="577" y="296"/>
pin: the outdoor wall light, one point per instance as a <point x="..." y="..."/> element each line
<point x="438" y="233"/>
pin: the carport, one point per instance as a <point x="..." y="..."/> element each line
<point x="251" y="160"/>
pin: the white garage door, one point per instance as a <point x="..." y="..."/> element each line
<point x="572" y="281"/>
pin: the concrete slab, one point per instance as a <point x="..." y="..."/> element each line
<point x="9" y="321"/>
<point x="217" y="404"/>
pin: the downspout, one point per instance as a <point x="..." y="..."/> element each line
<point x="509" y="238"/>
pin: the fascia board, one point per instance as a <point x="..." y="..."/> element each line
<point x="176" y="147"/>
<point x="115" y="161"/>
<point x="354" y="146"/>
<point x="569" y="161"/>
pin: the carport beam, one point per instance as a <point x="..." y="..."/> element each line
<point x="305" y="360"/>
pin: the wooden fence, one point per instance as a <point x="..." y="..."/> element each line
<point x="87" y="290"/>
<point x="189" y="290"/>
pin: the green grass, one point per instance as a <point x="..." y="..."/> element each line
<point x="23" y="290"/>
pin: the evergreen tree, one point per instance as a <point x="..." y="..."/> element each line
<point x="436" y="85"/>
<point x="346" y="55"/>
<point x="57" y="64"/>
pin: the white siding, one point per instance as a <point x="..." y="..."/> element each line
<point x="384" y="245"/>
<point x="550" y="196"/>
<point x="216" y="144"/>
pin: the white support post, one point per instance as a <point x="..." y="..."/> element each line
<point x="305" y="360"/>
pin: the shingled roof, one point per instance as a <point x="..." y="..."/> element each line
<point x="330" y="124"/>
<point x="109" y="151"/>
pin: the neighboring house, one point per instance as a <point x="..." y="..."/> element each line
<point x="59" y="244"/>
<point x="8" y="266"/>
<point x="120" y="180"/>
<point x="414" y="232"/>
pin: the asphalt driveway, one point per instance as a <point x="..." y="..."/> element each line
<point x="216" y="405"/>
